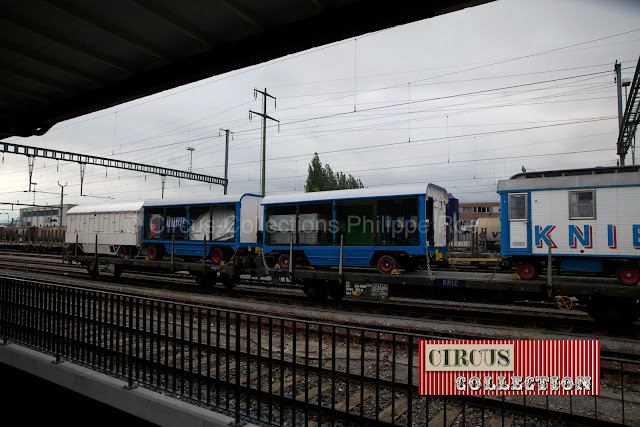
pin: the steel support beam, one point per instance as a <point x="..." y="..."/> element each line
<point x="32" y="152"/>
<point x="629" y="122"/>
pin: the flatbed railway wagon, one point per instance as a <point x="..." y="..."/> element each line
<point x="389" y="227"/>
<point x="588" y="218"/>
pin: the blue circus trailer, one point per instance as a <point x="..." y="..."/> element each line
<point x="216" y="225"/>
<point x="590" y="218"/>
<point x="386" y="227"/>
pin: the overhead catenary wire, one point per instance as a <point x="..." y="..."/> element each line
<point x="211" y="147"/>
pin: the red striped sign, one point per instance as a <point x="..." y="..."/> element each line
<point x="509" y="367"/>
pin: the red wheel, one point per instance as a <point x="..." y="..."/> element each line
<point x="629" y="274"/>
<point x="527" y="271"/>
<point x="283" y="260"/>
<point x="154" y="253"/>
<point x="217" y="256"/>
<point x="386" y="264"/>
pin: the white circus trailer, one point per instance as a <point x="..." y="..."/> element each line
<point x="117" y="225"/>
<point x="590" y="218"/>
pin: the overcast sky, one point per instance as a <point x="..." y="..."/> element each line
<point x="461" y="100"/>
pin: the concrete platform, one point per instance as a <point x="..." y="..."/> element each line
<point x="142" y="403"/>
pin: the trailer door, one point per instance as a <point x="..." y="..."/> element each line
<point x="519" y="222"/>
<point x="430" y="217"/>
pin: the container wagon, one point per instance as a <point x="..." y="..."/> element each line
<point x="217" y="225"/>
<point x="387" y="227"/>
<point x="588" y="217"/>
<point x="107" y="229"/>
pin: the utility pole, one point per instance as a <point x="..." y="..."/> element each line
<point x="264" y="129"/>
<point x="61" y="201"/>
<point x="191" y="149"/>
<point x="83" y="167"/>
<point x="31" y="160"/>
<point x="617" y="68"/>
<point x="226" y="160"/>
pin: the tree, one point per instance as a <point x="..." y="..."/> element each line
<point x="321" y="178"/>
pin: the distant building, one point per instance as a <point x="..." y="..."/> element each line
<point x="469" y="212"/>
<point x="468" y="215"/>
<point x="43" y="216"/>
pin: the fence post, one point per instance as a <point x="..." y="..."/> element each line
<point x="58" y="325"/>
<point x="237" y="396"/>
<point x="340" y="276"/>
<point x="204" y="255"/>
<point x="173" y="242"/>
<point x="4" y="291"/>
<point x="291" y="258"/>
<point x="410" y="381"/>
<point x="130" y="385"/>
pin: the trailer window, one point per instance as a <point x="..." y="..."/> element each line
<point x="200" y="223"/>
<point x="280" y="224"/>
<point x="397" y="221"/>
<point x="518" y="207"/>
<point x="582" y="204"/>
<point x="315" y="223"/>
<point x="154" y="223"/>
<point x="354" y="219"/>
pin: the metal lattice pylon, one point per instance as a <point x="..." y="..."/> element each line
<point x="631" y="116"/>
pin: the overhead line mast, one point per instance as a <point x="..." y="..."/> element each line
<point x="264" y="130"/>
<point x="628" y="122"/>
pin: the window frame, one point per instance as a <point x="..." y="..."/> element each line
<point x="526" y="207"/>
<point x="593" y="204"/>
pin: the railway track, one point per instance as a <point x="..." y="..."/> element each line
<point x="265" y="291"/>
<point x="275" y="370"/>
<point x="514" y="315"/>
<point x="445" y="319"/>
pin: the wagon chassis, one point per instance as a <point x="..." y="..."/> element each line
<point x="604" y="299"/>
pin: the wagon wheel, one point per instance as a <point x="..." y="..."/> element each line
<point x="629" y="274"/>
<point x="154" y="253"/>
<point x="217" y="256"/>
<point x="527" y="271"/>
<point x="117" y="271"/>
<point x="228" y="282"/>
<point x="336" y="292"/>
<point x="93" y="269"/>
<point x="316" y="291"/>
<point x="386" y="264"/>
<point x="284" y="260"/>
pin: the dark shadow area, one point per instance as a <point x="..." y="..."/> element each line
<point x="30" y="400"/>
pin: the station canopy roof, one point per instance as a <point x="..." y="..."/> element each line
<point x="63" y="59"/>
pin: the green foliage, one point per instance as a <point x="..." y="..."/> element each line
<point x="322" y="178"/>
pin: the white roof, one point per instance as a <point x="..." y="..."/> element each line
<point x="112" y="207"/>
<point x="358" y="193"/>
<point x="208" y="200"/>
<point x="621" y="176"/>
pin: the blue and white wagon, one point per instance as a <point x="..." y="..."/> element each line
<point x="387" y="227"/>
<point x="217" y="226"/>
<point x="589" y="218"/>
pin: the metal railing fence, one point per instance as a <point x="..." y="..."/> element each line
<point x="274" y="370"/>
